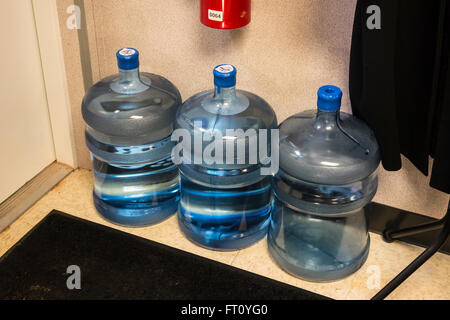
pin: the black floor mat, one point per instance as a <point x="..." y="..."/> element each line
<point x="117" y="265"/>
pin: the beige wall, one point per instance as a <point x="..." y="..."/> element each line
<point x="284" y="55"/>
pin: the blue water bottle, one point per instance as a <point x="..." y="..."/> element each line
<point x="129" y="120"/>
<point x="327" y="176"/>
<point x="226" y="198"/>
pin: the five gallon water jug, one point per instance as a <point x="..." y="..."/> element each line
<point x="226" y="199"/>
<point x="129" y="120"/>
<point x="328" y="165"/>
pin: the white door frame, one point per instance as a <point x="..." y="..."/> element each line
<point x="55" y="79"/>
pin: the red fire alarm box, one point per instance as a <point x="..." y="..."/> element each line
<point x="225" y="14"/>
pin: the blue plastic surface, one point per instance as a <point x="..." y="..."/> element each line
<point x="225" y="76"/>
<point x="329" y="98"/>
<point x="128" y="58"/>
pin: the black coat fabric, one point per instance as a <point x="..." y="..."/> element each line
<point x="400" y="82"/>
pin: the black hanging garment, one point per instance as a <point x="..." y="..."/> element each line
<point x="400" y="81"/>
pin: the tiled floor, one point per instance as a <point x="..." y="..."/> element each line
<point x="432" y="281"/>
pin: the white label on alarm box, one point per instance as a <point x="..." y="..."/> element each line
<point x="215" y="15"/>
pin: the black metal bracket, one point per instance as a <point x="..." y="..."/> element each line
<point x="392" y="235"/>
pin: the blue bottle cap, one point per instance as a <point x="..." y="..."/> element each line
<point x="128" y="58"/>
<point x="225" y="76"/>
<point x="330" y="98"/>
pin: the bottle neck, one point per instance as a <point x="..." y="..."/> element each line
<point x="129" y="82"/>
<point x="129" y="75"/>
<point x="226" y="101"/>
<point x="327" y="120"/>
<point x="225" y="93"/>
